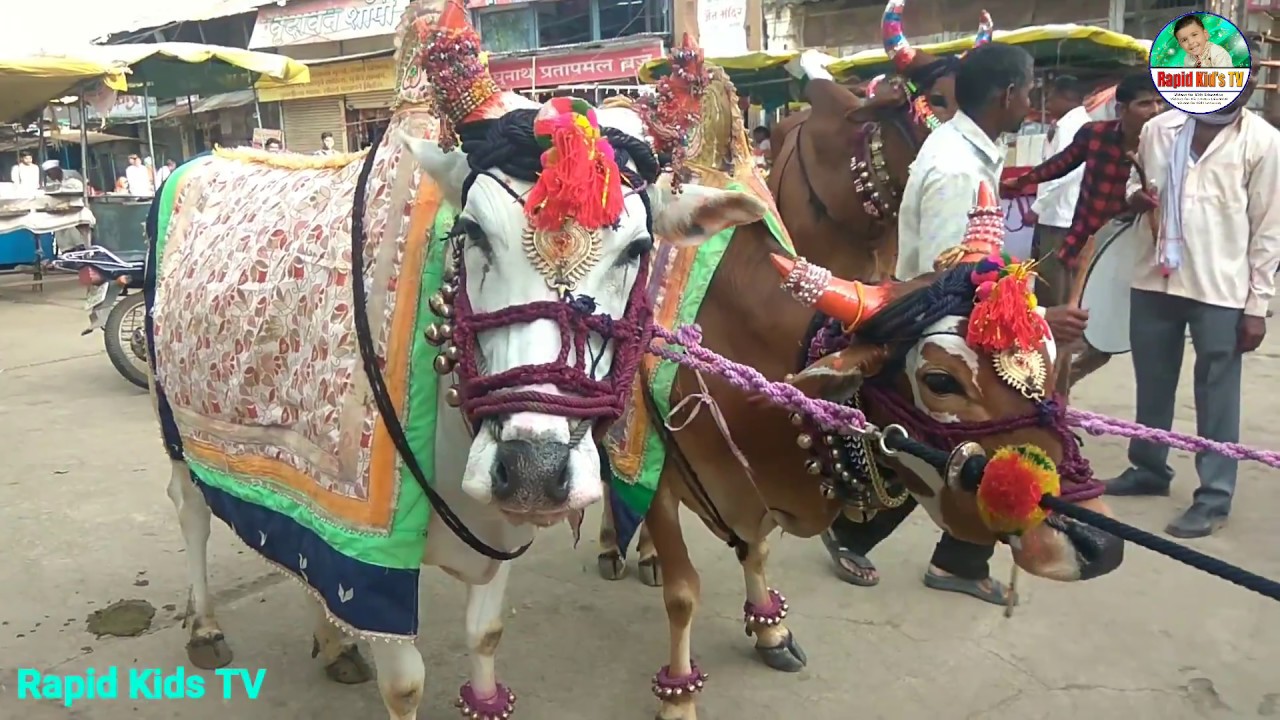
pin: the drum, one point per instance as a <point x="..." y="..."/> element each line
<point x="1106" y="287"/>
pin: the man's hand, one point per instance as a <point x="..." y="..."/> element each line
<point x="1010" y="187"/>
<point x="1144" y="200"/>
<point x="1030" y="218"/>
<point x="1250" y="333"/>
<point x="1066" y="323"/>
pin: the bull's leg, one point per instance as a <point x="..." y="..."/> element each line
<point x="764" y="612"/>
<point x="610" y="562"/>
<point x="401" y="676"/>
<point x="650" y="568"/>
<point x="483" y="697"/>
<point x="207" y="647"/>
<point x="342" y="660"/>
<point x="678" y="682"/>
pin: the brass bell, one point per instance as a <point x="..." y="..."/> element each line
<point x="813" y="467"/>
<point x="453" y="396"/>
<point x="797" y="419"/>
<point x="446" y="331"/>
<point x="828" y="440"/>
<point x="449" y="291"/>
<point x="804" y="440"/>
<point x="828" y="490"/>
<point x="834" y="453"/>
<point x="453" y="353"/>
<point x="450" y="272"/>
<point x="788" y="377"/>
<point x="439" y="306"/>
<point x="433" y="334"/>
<point x="443" y="365"/>
<point x="838" y="468"/>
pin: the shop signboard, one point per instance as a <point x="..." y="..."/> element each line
<point x="344" y="78"/>
<point x="316" y="21"/>
<point x="599" y="64"/>
<point x="722" y="27"/>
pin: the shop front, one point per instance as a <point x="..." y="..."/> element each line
<point x="593" y="71"/>
<point x="350" y="98"/>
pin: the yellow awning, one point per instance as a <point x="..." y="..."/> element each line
<point x="169" y="70"/>
<point x="1022" y="36"/>
<point x="750" y="61"/>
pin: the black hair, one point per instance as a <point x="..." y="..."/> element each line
<point x="1188" y="19"/>
<point x="326" y="135"/>
<point x="1134" y="85"/>
<point x="989" y="70"/>
<point x="924" y="76"/>
<point x="760" y="129"/>
<point x="271" y="141"/>
<point x="1067" y="86"/>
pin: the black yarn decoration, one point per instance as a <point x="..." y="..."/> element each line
<point x="508" y="144"/>
<point x="907" y="317"/>
<point x="924" y="76"/>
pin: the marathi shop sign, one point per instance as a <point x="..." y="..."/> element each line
<point x="576" y="68"/>
<point x="317" y="21"/>
<point x="344" y="78"/>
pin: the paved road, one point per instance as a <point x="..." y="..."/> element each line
<point x="84" y="521"/>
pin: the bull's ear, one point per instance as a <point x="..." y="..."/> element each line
<point x="838" y="376"/>
<point x="448" y="169"/>
<point x="699" y="212"/>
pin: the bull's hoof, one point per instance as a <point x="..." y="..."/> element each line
<point x="611" y="565"/>
<point x="787" y="656"/>
<point x="349" y="668"/>
<point x="209" y="652"/>
<point x="651" y="571"/>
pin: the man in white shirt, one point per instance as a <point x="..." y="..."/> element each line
<point x="165" y="171"/>
<point x="25" y="173"/>
<point x="1055" y="204"/>
<point x="1215" y="180"/>
<point x="992" y="87"/>
<point x="139" y="178"/>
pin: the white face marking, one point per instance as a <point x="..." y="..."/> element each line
<point x="945" y="335"/>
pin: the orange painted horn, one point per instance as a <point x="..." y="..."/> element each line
<point x="849" y="301"/>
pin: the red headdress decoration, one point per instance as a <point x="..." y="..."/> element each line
<point x="851" y="302"/>
<point x="1004" y="317"/>
<point x="450" y="59"/>
<point x="671" y="113"/>
<point x="580" y="179"/>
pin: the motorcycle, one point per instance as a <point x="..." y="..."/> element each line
<point x="115" y="304"/>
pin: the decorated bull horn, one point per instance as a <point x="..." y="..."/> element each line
<point x="984" y="235"/>
<point x="985" y="29"/>
<point x="851" y="302"/>
<point x="672" y="112"/>
<point x="896" y="46"/>
<point x="450" y="58"/>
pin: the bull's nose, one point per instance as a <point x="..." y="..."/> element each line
<point x="531" y="473"/>
<point x="1099" y="552"/>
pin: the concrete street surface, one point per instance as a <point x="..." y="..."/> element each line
<point x="84" y="522"/>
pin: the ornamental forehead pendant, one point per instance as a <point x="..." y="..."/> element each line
<point x="1024" y="371"/>
<point x="564" y="256"/>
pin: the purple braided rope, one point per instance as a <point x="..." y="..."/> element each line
<point x="1096" y="424"/>
<point x="827" y="415"/>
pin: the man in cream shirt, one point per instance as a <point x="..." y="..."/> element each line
<point x="1216" y="180"/>
<point x="1055" y="207"/>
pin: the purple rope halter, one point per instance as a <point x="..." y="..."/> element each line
<point x="485" y="396"/>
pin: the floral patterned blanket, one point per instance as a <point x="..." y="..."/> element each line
<point x="256" y="360"/>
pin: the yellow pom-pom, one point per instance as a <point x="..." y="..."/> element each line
<point x="1015" y="479"/>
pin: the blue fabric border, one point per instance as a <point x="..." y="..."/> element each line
<point x="374" y="599"/>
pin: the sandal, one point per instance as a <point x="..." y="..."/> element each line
<point x="991" y="590"/>
<point x="840" y="555"/>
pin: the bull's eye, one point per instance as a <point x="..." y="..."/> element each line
<point x="636" y="249"/>
<point x="938" y="101"/>
<point x="940" y="383"/>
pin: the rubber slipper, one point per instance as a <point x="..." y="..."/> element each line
<point x="996" y="595"/>
<point x="839" y="553"/>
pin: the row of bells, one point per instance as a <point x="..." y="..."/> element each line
<point x="814" y="465"/>
<point x="441" y="334"/>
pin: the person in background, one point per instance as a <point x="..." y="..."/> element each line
<point x="1097" y="157"/>
<point x="992" y="89"/>
<point x="165" y="171"/>
<point x="326" y="144"/>
<point x="122" y="186"/>
<point x="139" y="178"/>
<point x="56" y="177"/>
<point x="1055" y="202"/>
<point x="761" y="148"/>
<point x="25" y="173"/>
<point x="272" y="146"/>
<point x="1193" y="38"/>
<point x="1212" y="270"/>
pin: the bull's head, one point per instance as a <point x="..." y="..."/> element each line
<point x="914" y="361"/>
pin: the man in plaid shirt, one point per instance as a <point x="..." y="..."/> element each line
<point x="1103" y="148"/>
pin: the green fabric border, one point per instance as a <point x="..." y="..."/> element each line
<point x="639" y="495"/>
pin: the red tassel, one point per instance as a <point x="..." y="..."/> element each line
<point x="579" y="180"/>
<point x="1006" y="319"/>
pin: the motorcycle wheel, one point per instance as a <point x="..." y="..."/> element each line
<point x="128" y="316"/>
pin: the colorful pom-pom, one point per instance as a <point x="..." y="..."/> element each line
<point x="1004" y="316"/>
<point x="1015" y="479"/>
<point x="580" y="179"/>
